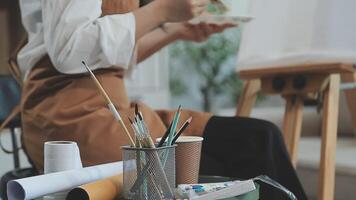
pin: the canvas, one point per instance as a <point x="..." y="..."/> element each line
<point x="293" y="32"/>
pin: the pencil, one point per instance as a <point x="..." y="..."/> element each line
<point x="174" y="126"/>
<point x="181" y="130"/>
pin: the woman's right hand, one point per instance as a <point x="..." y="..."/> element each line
<point x="182" y="10"/>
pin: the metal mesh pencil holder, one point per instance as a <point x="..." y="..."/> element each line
<point x="149" y="173"/>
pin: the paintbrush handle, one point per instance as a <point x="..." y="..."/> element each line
<point x="163" y="139"/>
<point x="97" y="83"/>
<point x="119" y="119"/>
<point x="127" y="133"/>
<point x="110" y="105"/>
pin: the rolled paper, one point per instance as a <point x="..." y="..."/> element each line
<point x="106" y="189"/>
<point x="60" y="156"/>
<point x="38" y="186"/>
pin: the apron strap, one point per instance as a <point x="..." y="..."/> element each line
<point x="14" y="68"/>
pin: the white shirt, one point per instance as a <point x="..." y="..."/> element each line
<point x="70" y="31"/>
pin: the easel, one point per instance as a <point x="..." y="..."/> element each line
<point x="318" y="82"/>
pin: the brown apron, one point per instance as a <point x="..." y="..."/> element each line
<point x="58" y="106"/>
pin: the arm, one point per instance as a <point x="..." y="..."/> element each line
<point x="154" y="41"/>
<point x="160" y="37"/>
<point x="74" y="31"/>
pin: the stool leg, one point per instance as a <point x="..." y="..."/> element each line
<point x="288" y="121"/>
<point x="292" y="125"/>
<point x="248" y="97"/>
<point x="329" y="137"/>
<point x="296" y="129"/>
<point x="350" y="96"/>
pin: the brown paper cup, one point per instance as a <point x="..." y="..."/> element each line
<point x="188" y="152"/>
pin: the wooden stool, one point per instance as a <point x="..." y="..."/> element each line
<point x="317" y="82"/>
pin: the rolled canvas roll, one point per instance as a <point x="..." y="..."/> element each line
<point x="38" y="186"/>
<point x="60" y="156"/>
<point x="106" y="189"/>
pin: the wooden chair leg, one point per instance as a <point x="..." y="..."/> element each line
<point x="248" y="97"/>
<point x="329" y="137"/>
<point x="350" y="96"/>
<point x="292" y="125"/>
<point x="296" y="130"/>
<point x="288" y="121"/>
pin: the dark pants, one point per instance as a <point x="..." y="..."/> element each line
<point x="245" y="148"/>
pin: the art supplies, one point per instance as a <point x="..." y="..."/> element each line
<point x="110" y="104"/>
<point x="154" y="181"/>
<point x="165" y="136"/>
<point x="60" y="156"/>
<point x="211" y="191"/>
<point x="174" y="125"/>
<point x="105" y="189"/>
<point x="221" y="19"/>
<point x="181" y="130"/>
<point x="141" y="131"/>
<point x="153" y="177"/>
<point x="38" y="186"/>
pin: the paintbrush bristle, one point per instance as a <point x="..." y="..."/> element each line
<point x="130" y="120"/>
<point x="140" y="116"/>
<point x="86" y="66"/>
<point x="136" y="109"/>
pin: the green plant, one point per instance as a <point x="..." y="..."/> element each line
<point x="209" y="63"/>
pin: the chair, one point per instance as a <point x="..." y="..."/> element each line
<point x="9" y="113"/>
<point x="10" y="119"/>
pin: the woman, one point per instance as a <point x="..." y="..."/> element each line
<point x="60" y="102"/>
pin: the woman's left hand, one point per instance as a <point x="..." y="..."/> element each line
<point x="195" y="32"/>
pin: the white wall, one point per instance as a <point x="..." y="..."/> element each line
<point x="149" y="82"/>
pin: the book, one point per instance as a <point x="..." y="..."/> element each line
<point x="211" y="191"/>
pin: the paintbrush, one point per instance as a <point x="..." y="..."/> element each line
<point x="110" y="104"/>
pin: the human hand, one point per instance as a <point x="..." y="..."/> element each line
<point x="182" y="10"/>
<point x="195" y="32"/>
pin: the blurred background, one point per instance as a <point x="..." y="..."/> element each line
<point x="203" y="77"/>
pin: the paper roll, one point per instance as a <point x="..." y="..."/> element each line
<point x="38" y="186"/>
<point x="61" y="156"/>
<point x="106" y="189"/>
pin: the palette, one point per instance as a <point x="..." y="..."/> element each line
<point x="221" y="19"/>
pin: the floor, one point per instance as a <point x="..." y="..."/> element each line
<point x="309" y="154"/>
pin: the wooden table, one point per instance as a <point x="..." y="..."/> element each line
<point x="319" y="82"/>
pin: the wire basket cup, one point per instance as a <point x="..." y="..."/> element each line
<point x="149" y="173"/>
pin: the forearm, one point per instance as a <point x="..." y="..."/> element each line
<point x="154" y="41"/>
<point x="149" y="17"/>
<point x="158" y="12"/>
